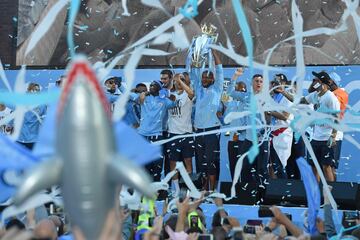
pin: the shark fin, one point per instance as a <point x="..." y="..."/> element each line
<point x="126" y="172"/>
<point x="42" y="176"/>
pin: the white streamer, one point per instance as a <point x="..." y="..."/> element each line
<point x="119" y="108"/>
<point x="124" y="6"/>
<point x="45" y="24"/>
<point x="237" y="174"/>
<point x="153" y="3"/>
<point x="33" y="202"/>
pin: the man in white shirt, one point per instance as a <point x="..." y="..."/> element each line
<point x="179" y="123"/>
<point x="324" y="137"/>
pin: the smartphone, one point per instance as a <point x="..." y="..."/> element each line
<point x="254" y="222"/>
<point x="194" y="221"/>
<point x="349" y="218"/>
<point x="264" y="211"/>
<point x="249" y="229"/>
<point x="205" y="237"/>
<point x="151" y="221"/>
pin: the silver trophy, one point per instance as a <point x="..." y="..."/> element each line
<point x="199" y="52"/>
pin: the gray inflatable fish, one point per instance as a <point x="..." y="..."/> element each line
<point x="86" y="165"/>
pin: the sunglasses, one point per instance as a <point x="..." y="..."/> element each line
<point x="111" y="82"/>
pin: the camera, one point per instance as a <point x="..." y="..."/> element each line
<point x="264" y="211"/>
<point x="349" y="218"/>
<point x="249" y="229"/>
<point x="194" y="221"/>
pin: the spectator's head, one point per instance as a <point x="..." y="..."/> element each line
<point x="2" y="107"/>
<point x="187" y="78"/>
<point x="323" y="79"/>
<point x="257" y="83"/>
<point x="166" y="76"/>
<point x="140" y="88"/>
<point x="15" y="223"/>
<point x="59" y="224"/>
<point x="110" y="84"/>
<point x="33" y="88"/>
<point x="45" y="229"/>
<point x="155" y="87"/>
<point x="219" y="233"/>
<point x="207" y="79"/>
<point x="240" y="86"/>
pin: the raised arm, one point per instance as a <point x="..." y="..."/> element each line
<point x="183" y="85"/>
<point x="236" y="75"/>
<point x="195" y="78"/>
<point x="216" y="57"/>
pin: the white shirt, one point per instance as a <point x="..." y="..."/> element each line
<point x="286" y="103"/>
<point x="262" y="133"/>
<point x="3" y="114"/>
<point x="323" y="103"/>
<point x="179" y="121"/>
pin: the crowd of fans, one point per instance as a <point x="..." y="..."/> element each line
<point x="187" y="221"/>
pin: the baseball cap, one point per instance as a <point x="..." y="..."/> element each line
<point x="323" y="76"/>
<point x="281" y="77"/>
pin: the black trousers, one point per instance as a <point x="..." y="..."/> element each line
<point x="235" y="150"/>
<point x="256" y="171"/>
<point x="207" y="149"/>
<point x="154" y="168"/>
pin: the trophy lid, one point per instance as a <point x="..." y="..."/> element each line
<point x="208" y="29"/>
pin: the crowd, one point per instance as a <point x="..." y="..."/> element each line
<point x="187" y="221"/>
<point x="194" y="103"/>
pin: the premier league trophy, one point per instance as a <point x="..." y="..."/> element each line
<point x="199" y="52"/>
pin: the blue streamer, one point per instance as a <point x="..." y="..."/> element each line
<point x="312" y="193"/>
<point x="241" y="18"/>
<point x="190" y="14"/>
<point x="13" y="157"/>
<point x="33" y="99"/>
<point x="74" y="8"/>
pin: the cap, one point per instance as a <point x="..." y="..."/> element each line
<point x="281" y="77"/>
<point x="323" y="76"/>
<point x="157" y="82"/>
<point x="108" y="78"/>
